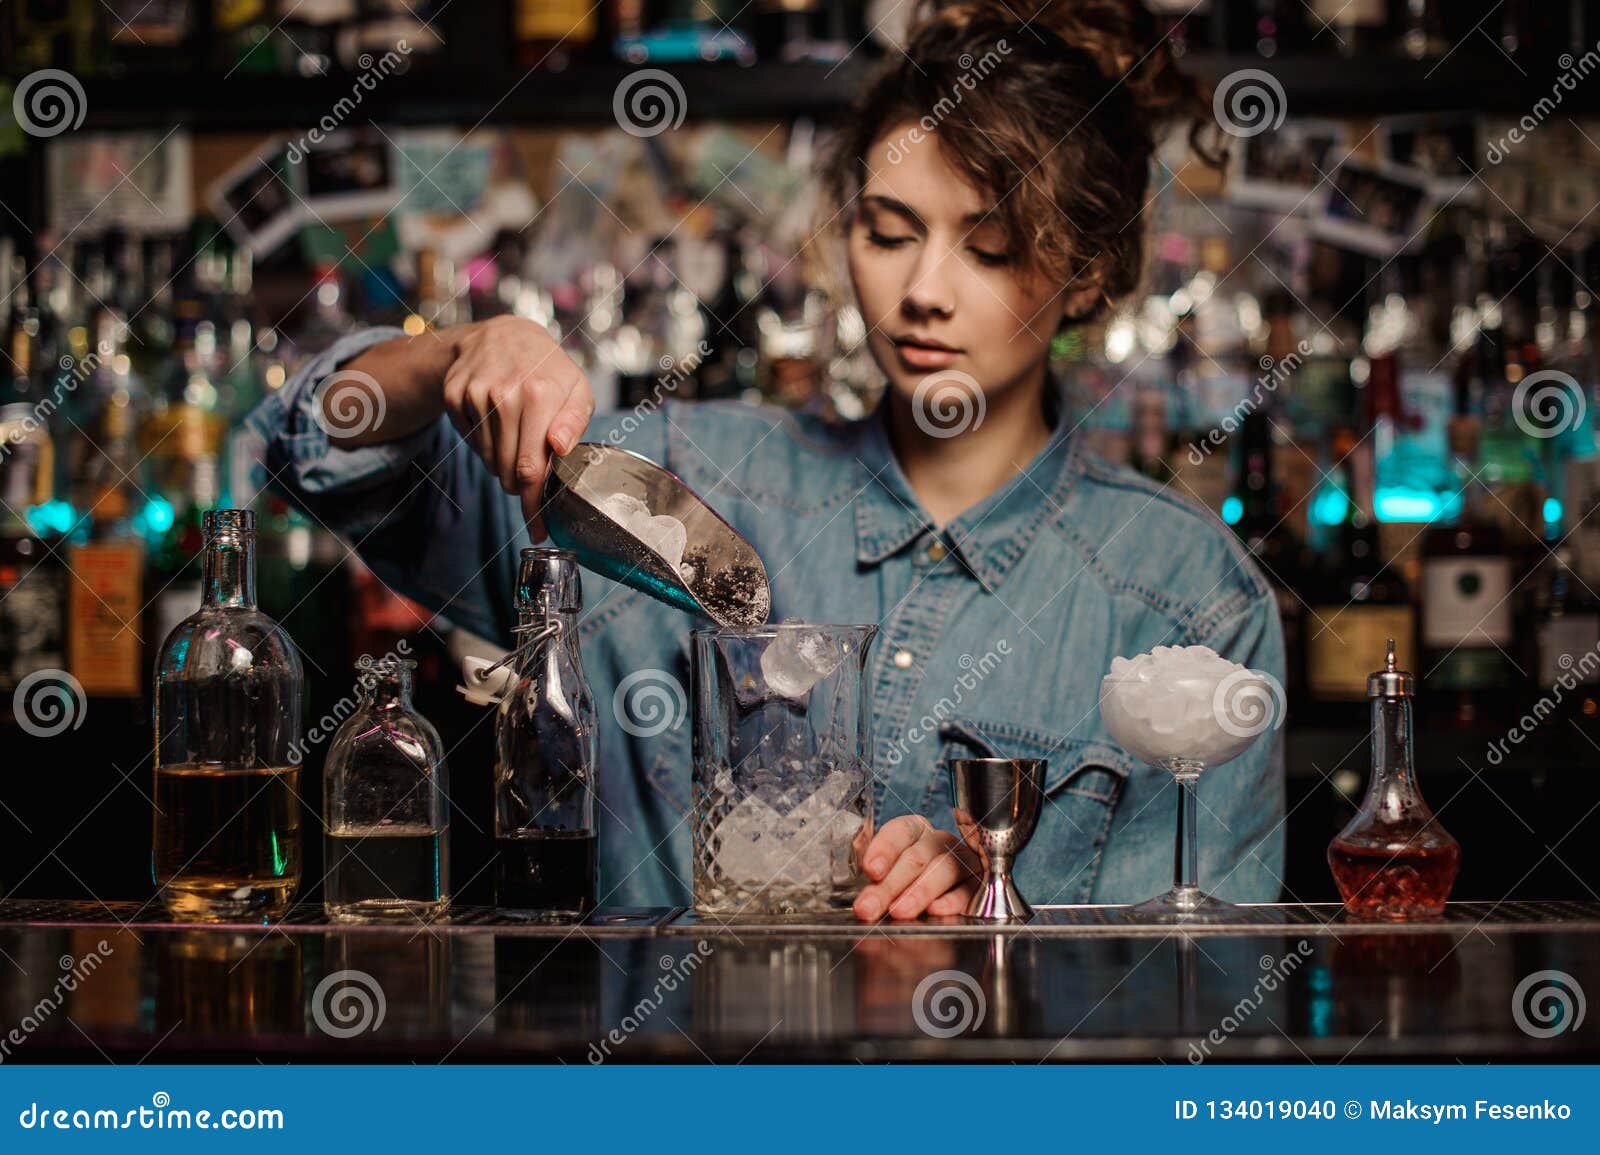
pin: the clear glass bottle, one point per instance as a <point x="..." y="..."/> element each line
<point x="545" y="753"/>
<point x="385" y="806"/>
<point x="1393" y="860"/>
<point x="229" y="688"/>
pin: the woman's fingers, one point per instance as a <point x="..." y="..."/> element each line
<point x="944" y="870"/>
<point x="572" y="418"/>
<point x="895" y="837"/>
<point x="920" y="873"/>
<point x="954" y="901"/>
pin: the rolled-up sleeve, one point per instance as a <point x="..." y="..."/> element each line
<point x="421" y="511"/>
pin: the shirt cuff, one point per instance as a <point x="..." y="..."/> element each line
<point x="291" y="424"/>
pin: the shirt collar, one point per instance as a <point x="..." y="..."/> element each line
<point x="990" y="537"/>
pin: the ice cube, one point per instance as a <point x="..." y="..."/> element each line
<point x="798" y="659"/>
<point x="662" y="533"/>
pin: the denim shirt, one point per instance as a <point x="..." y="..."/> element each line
<point x="994" y="632"/>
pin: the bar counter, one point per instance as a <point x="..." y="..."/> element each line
<point x="1298" y="983"/>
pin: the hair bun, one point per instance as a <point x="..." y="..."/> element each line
<point x="1120" y="36"/>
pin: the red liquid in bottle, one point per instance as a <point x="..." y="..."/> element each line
<point x="1378" y="882"/>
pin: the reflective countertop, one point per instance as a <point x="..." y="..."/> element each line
<point x="88" y="981"/>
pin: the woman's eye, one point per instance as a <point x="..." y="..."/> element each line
<point x="887" y="242"/>
<point x="994" y="260"/>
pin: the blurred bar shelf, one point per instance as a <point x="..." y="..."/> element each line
<point x="582" y="94"/>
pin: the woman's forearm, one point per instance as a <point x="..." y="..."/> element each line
<point x="409" y="370"/>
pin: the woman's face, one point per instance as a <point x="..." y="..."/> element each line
<point x="937" y="281"/>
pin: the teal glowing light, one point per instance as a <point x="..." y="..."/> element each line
<point x="51" y="517"/>
<point x="1400" y="504"/>
<point x="157" y="516"/>
<point x="1232" y="510"/>
<point x="1552" y="511"/>
<point x="1330" y="506"/>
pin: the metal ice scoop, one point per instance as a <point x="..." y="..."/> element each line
<point x="631" y="520"/>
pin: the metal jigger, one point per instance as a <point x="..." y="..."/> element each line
<point x="996" y="806"/>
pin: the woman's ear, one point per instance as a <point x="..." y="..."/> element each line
<point x="1078" y="303"/>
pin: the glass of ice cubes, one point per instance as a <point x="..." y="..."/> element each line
<point x="782" y="775"/>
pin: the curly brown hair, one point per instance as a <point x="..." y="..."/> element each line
<point x="1051" y="107"/>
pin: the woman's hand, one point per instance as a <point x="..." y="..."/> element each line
<point x="514" y="395"/>
<point x="916" y="868"/>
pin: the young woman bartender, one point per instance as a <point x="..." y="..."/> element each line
<point x="990" y="185"/>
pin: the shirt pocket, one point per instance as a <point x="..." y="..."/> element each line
<point x="1083" y="783"/>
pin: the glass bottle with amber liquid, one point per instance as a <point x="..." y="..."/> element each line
<point x="229" y="687"/>
<point x="1393" y="861"/>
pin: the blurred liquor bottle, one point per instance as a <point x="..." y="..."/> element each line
<point x="1568" y="643"/>
<point x="312" y="30"/>
<point x="1282" y="556"/>
<point x="51" y="34"/>
<point x="1467" y="613"/>
<point x="143" y="37"/>
<point x="1351" y="27"/>
<point x="32" y="578"/>
<point x="105" y="647"/>
<point x="1359" y="601"/>
<point x="1191" y="26"/>
<point x="552" y="33"/>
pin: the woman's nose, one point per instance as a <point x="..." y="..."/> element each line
<point x="930" y="291"/>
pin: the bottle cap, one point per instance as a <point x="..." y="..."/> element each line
<point x="1391" y="682"/>
<point x="548" y="581"/>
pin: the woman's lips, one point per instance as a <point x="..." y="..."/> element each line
<point x="925" y="357"/>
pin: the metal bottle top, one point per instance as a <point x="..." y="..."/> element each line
<point x="547" y="581"/>
<point x="1391" y="682"/>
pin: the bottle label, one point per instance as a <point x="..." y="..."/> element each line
<point x="1466" y="601"/>
<point x="1345" y="643"/>
<point x="104" y="649"/>
<point x="1569" y="646"/>
<point x="30" y="623"/>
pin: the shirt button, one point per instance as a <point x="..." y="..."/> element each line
<point x="936" y="550"/>
<point x="903" y="659"/>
